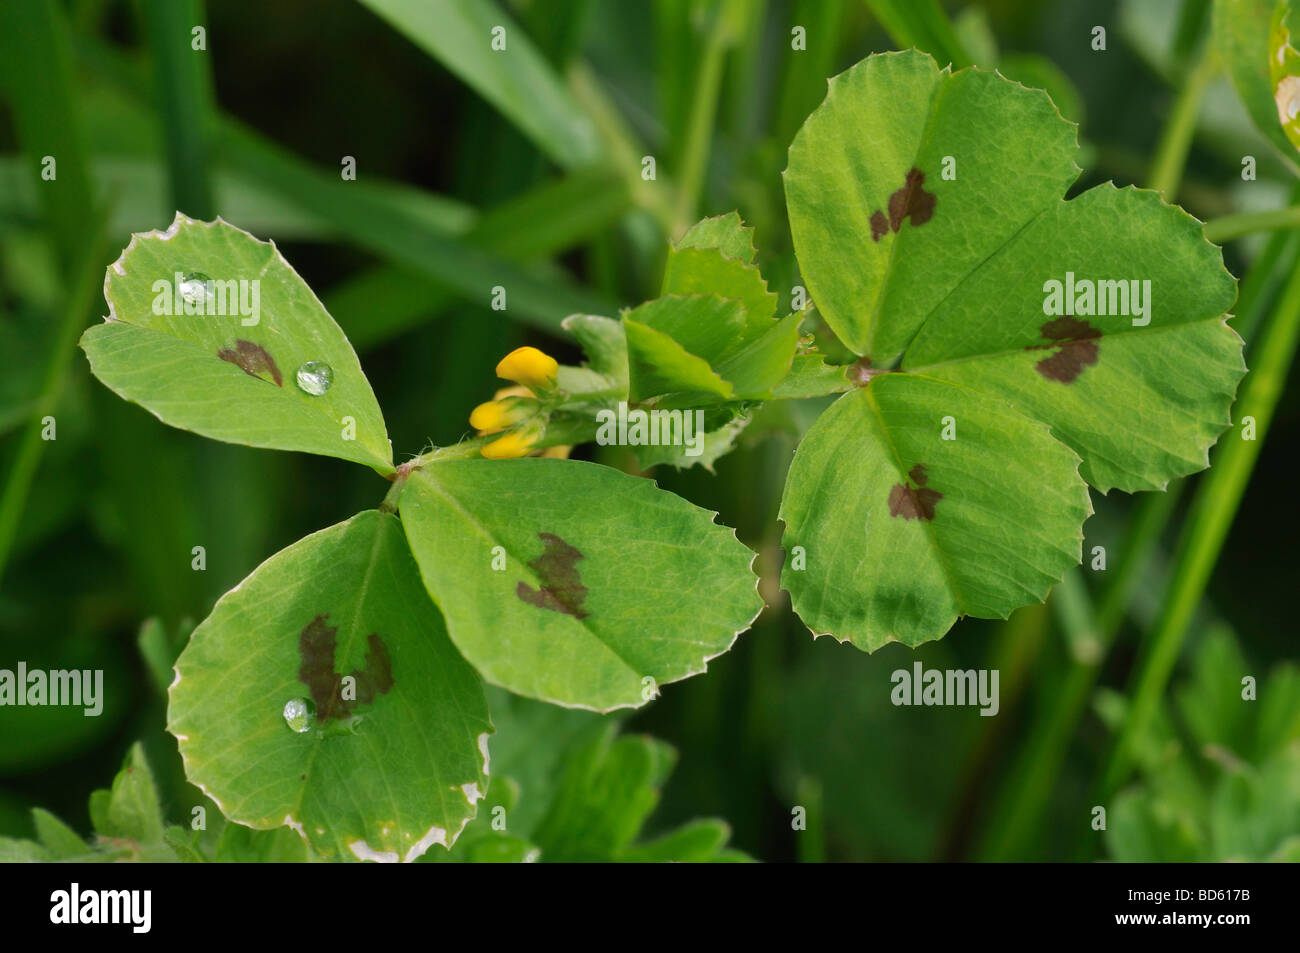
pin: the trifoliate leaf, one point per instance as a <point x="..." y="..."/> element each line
<point x="212" y="331"/>
<point x="322" y="693"/>
<point x="1023" y="336"/>
<point x="711" y="336"/>
<point x="543" y="569"/>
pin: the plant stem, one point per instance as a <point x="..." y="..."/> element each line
<point x="1176" y="138"/>
<point x="1216" y="503"/>
<point x="704" y="107"/>
<point x="1228" y="227"/>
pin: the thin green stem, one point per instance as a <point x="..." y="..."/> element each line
<point x="694" y="156"/>
<point x="1176" y="138"/>
<point x="1228" y="227"/>
<point x="1212" y="512"/>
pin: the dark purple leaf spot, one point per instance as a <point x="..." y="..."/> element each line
<point x="562" y="589"/>
<point x="914" y="502"/>
<point x="879" y="225"/>
<point x="316" y="648"/>
<point x="911" y="201"/>
<point x="1074" y="346"/>
<point x="252" y="359"/>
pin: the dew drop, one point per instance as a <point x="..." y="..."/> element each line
<point x="315" y="377"/>
<point x="298" y="714"/>
<point x="196" y="286"/>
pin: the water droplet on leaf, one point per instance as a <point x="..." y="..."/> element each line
<point x="298" y="714"/>
<point x="315" y="377"/>
<point x="196" y="286"/>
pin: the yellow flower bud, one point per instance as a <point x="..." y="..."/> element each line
<point x="496" y="415"/>
<point x="516" y="443"/>
<point x="514" y="390"/>
<point x="530" y="367"/>
<point x="558" y="452"/>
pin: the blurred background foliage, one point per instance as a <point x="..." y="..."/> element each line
<point x="524" y="169"/>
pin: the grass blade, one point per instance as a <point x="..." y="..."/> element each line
<point x="517" y="80"/>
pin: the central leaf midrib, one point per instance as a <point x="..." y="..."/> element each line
<point x="1123" y="332"/>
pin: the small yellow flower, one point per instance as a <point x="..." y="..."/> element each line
<point x="516" y="443"/>
<point x="558" y="452"/>
<point x="497" y="415"/>
<point x="530" y="367"/>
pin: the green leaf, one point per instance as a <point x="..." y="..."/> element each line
<point x="1008" y="375"/>
<point x="657" y="364"/>
<point x="61" y="840"/>
<point x="131" y="810"/>
<point x="16" y="851"/>
<point x="904" y="531"/>
<point x="704" y="271"/>
<point x="761" y="362"/>
<point x="727" y="233"/>
<point x="702" y="349"/>
<point x="585" y="551"/>
<point x="695" y="842"/>
<point x="516" y="79"/>
<point x="607" y="790"/>
<point x="1243" y="34"/>
<point x="231" y="376"/>
<point x="722" y="427"/>
<point x="811" y="376"/>
<point x="1140" y="404"/>
<point x="605" y="344"/>
<point x="382" y="771"/>
<point x="880" y="138"/>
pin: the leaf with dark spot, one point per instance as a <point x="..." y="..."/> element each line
<point x="562" y="589"/>
<point x="1075" y="344"/>
<point x="316" y="647"/>
<point x="252" y="359"/>
<point x="916" y="502"/>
